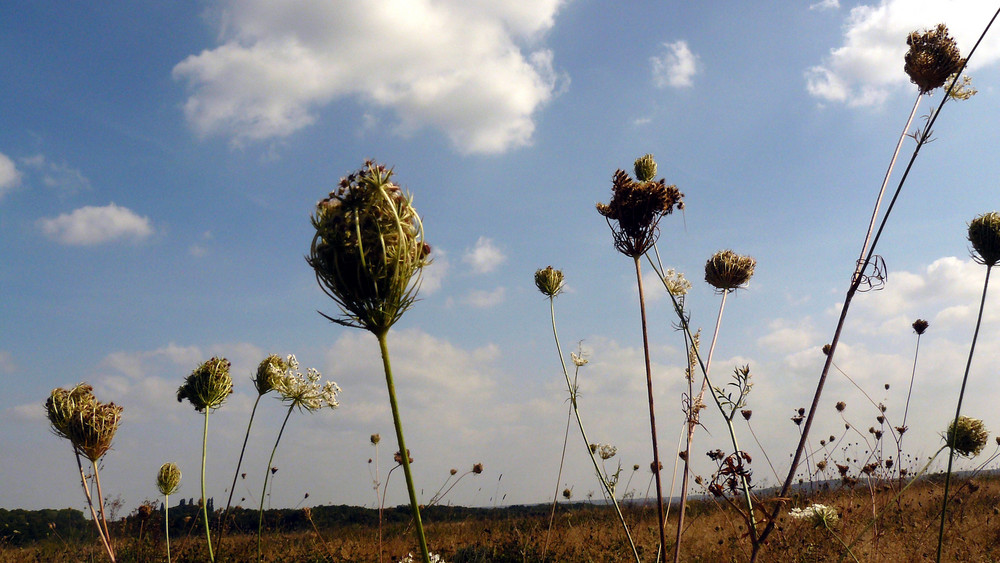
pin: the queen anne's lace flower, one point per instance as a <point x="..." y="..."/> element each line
<point x="410" y="558"/>
<point x="305" y="391"/>
<point x="819" y="515"/>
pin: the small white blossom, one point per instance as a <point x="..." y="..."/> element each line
<point x="578" y="360"/>
<point x="820" y="515"/>
<point x="676" y="284"/>
<point x="410" y="558"/>
<point x="606" y="451"/>
<point x="305" y="391"/>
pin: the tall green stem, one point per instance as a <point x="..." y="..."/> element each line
<point x="166" y="522"/>
<point x="652" y="413"/>
<point x="958" y="411"/>
<point x="583" y="433"/>
<point x="90" y="503"/>
<point x="397" y="422"/>
<point x="267" y="473"/>
<point x="204" y="497"/>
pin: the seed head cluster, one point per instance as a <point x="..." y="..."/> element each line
<point x="968" y="437"/>
<point x="208" y="386"/>
<point x="168" y="479"/>
<point x="726" y="270"/>
<point x="933" y="57"/>
<point x="984" y="235"/>
<point x="368" y="249"/>
<point x="637" y="206"/>
<point x="77" y="415"/>
<point x="549" y="281"/>
<point x="269" y="369"/>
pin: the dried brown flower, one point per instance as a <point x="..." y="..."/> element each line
<point x="920" y="325"/>
<point x="726" y="270"/>
<point x="636" y="208"/>
<point x="933" y="57"/>
<point x="984" y="234"/>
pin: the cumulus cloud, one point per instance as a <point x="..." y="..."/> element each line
<point x="10" y="177"/>
<point x="89" y="225"/>
<point x="433" y="275"/>
<point x="485" y="256"/>
<point x="676" y="67"/>
<point x="868" y="67"/>
<point x="452" y="65"/>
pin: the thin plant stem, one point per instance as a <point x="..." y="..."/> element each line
<point x="90" y="503"/>
<point x="692" y="424"/>
<point x="583" y="433"/>
<point x="555" y="496"/>
<point x="652" y="412"/>
<point x="958" y="411"/>
<point x="267" y="473"/>
<point x="100" y="503"/>
<point x="239" y="463"/>
<point x="855" y="283"/>
<point x="906" y="409"/>
<point x="204" y="497"/>
<point x="397" y="422"/>
<point x="166" y="522"/>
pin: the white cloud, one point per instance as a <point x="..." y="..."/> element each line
<point x="482" y="299"/>
<point x="868" y="67"/>
<point x="10" y="177"/>
<point x="58" y="175"/>
<point x="825" y="5"/>
<point x="676" y="67"/>
<point x="452" y="65"/>
<point x="484" y="257"/>
<point x="96" y="225"/>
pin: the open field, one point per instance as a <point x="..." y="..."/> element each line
<point x="582" y="532"/>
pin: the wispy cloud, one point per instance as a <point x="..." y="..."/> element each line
<point x="57" y="175"/>
<point x="447" y="66"/>
<point x="483" y="299"/>
<point x="825" y="5"/>
<point x="484" y="257"/>
<point x="89" y="226"/>
<point x="676" y="67"/>
<point x="10" y="177"/>
<point x="868" y="67"/>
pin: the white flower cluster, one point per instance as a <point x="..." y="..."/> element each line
<point x="606" y="451"/>
<point x="676" y="283"/>
<point x="819" y="515"/>
<point x="305" y="391"/>
<point x="578" y="360"/>
<point x="410" y="558"/>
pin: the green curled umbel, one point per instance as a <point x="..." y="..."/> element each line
<point x="549" y="281"/>
<point x="968" y="437"/>
<point x="726" y="270"/>
<point x="984" y="235"/>
<point x="208" y="386"/>
<point x="77" y="415"/>
<point x="269" y="371"/>
<point x="933" y="57"/>
<point x="368" y="250"/>
<point x="645" y="168"/>
<point x="168" y="479"/>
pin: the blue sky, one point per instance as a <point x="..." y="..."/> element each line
<point x="159" y="162"/>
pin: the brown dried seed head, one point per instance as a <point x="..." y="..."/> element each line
<point x="933" y="57"/>
<point x="920" y="325"/>
<point x="726" y="270"/>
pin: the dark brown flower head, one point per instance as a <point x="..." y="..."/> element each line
<point x="968" y="437"/>
<point x="826" y="349"/>
<point x="655" y="467"/>
<point x="920" y="325"/>
<point x="368" y="250"/>
<point x="477" y="468"/>
<point x="375" y="439"/>
<point x="77" y="415"/>
<point x="747" y="413"/>
<point x="452" y="471"/>
<point x="933" y="57"/>
<point x="208" y="386"/>
<point x="399" y="458"/>
<point x="567" y="494"/>
<point x="984" y="234"/>
<point x="726" y="270"/>
<point x="635" y="210"/>
<point x="841" y="405"/>
<point x="549" y="281"/>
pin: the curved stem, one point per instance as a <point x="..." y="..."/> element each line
<point x="958" y="411"/>
<point x="204" y="498"/>
<point x="397" y="422"/>
<point x="90" y="503"/>
<point x="267" y="473"/>
<point x="583" y="433"/>
<point x="652" y="413"/>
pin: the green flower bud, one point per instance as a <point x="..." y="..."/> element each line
<point x="168" y="479"/>
<point x="268" y="372"/>
<point x="645" y="168"/>
<point x="968" y="437"/>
